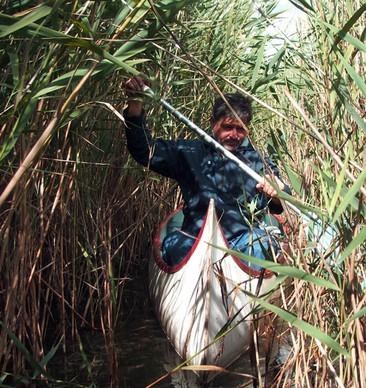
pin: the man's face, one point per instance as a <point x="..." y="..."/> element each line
<point x="229" y="132"/>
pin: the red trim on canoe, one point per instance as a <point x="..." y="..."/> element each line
<point x="175" y="268"/>
<point x="157" y="246"/>
<point x="243" y="266"/>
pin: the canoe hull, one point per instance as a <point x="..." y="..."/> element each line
<point x="203" y="298"/>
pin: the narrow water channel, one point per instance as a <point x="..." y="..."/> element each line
<point x="143" y="352"/>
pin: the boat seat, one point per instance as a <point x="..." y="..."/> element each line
<point x="173" y="224"/>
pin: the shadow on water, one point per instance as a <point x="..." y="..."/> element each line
<point x="143" y="352"/>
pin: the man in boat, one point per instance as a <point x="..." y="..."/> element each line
<point x="202" y="173"/>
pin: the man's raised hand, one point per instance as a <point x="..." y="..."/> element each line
<point x="134" y="88"/>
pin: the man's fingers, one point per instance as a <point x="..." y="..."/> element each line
<point x="133" y="85"/>
<point x="267" y="188"/>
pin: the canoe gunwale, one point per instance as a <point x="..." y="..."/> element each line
<point x="170" y="269"/>
<point x="163" y="266"/>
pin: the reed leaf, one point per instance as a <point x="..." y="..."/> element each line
<point x="340" y="182"/>
<point x="48" y="357"/>
<point x="353" y="74"/>
<point x="349" y="197"/>
<point x="294" y="179"/>
<point x="350" y="108"/>
<point x="284" y="270"/>
<point x="346" y="37"/>
<point x="19" y="127"/>
<point x="15" y="379"/>
<point x="308" y="210"/>
<point x="357" y="315"/>
<point x="33" y="29"/>
<point x="303" y="5"/>
<point x="293" y="320"/>
<point x="38" y="13"/>
<point x="14" y="63"/>
<point x="350" y="23"/>
<point x="120" y="64"/>
<point x="358" y="240"/>
<point x="48" y="90"/>
<point x="330" y="186"/>
<point x="258" y="64"/>
<point x="36" y="366"/>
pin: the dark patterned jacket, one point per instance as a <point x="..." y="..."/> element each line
<point x="203" y="173"/>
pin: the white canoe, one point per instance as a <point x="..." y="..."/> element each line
<point x="196" y="299"/>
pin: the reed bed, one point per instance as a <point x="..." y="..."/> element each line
<point x="73" y="231"/>
<point x="77" y="213"/>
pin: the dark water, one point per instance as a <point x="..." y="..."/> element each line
<point x="143" y="354"/>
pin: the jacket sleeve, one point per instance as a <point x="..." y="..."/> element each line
<point x="161" y="156"/>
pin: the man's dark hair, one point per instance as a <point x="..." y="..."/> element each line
<point x="240" y="104"/>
